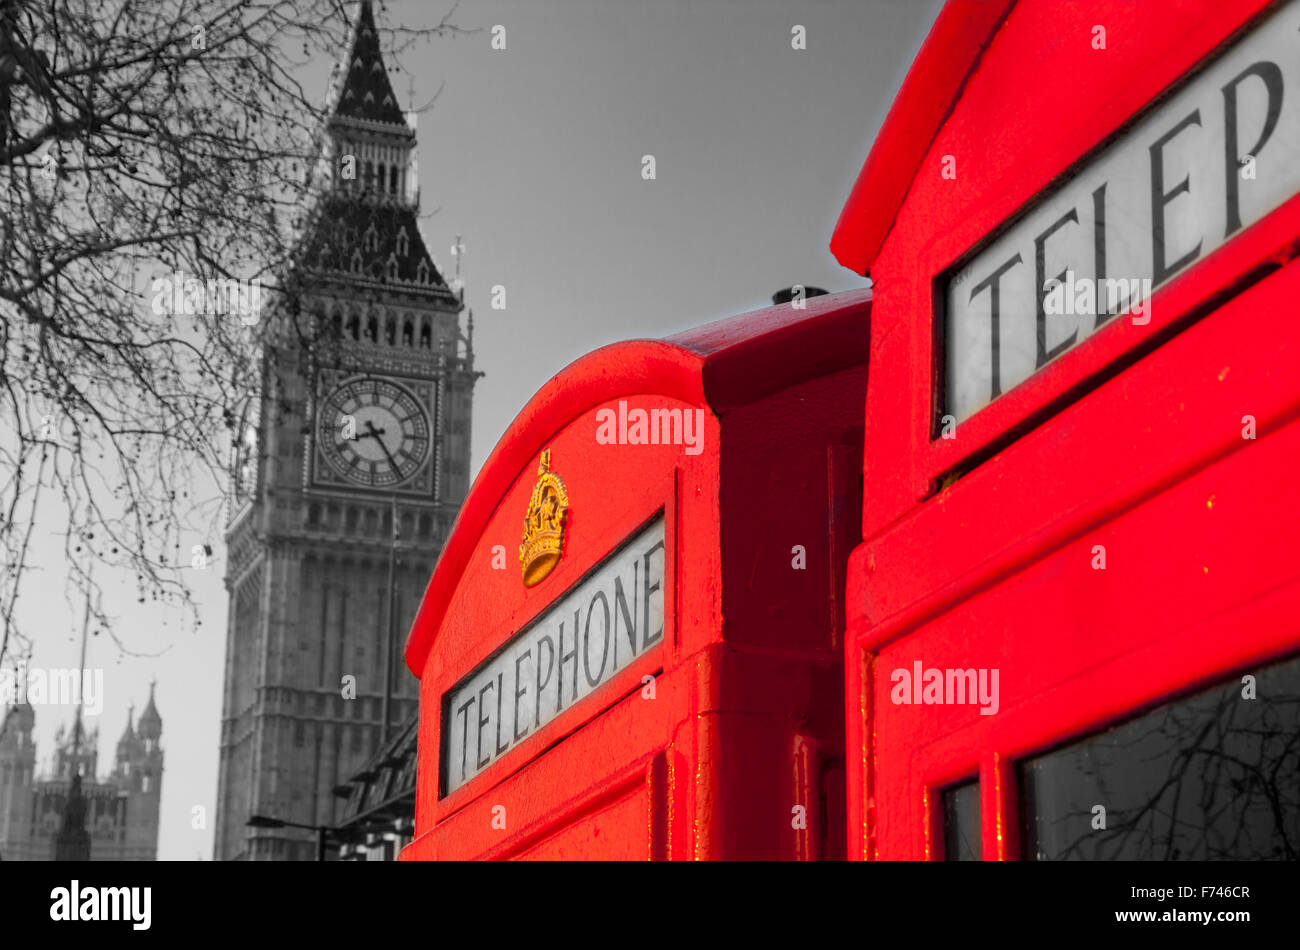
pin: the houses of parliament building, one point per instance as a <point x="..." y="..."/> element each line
<point x="120" y="811"/>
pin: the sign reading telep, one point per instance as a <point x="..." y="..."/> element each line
<point x="1214" y="157"/>
<point x="596" y="628"/>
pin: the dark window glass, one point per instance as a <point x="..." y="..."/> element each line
<point x="961" y="822"/>
<point x="1214" y="776"/>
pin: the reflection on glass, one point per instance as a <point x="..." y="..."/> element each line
<point x="961" y="822"/>
<point x="1214" y="776"/>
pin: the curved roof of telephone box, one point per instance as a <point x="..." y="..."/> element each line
<point x="728" y="363"/>
<point x="950" y="53"/>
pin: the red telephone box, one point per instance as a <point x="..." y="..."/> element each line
<point x="631" y="646"/>
<point x="1074" y="622"/>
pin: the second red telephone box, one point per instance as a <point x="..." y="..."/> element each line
<point x="1073" y="618"/>
<point x="631" y="646"/>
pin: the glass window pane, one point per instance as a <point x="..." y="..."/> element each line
<point x="961" y="822"/>
<point x="1213" y="776"/>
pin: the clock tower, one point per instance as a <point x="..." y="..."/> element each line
<point x="351" y="464"/>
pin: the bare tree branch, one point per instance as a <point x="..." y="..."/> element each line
<point x="150" y="150"/>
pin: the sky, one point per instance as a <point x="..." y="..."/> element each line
<point x="534" y="155"/>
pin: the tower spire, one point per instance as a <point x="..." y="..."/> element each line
<point x="362" y="89"/>
<point x="361" y="226"/>
<point x="458" y="282"/>
<point x="149" y="726"/>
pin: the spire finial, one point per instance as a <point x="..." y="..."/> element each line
<point x="458" y="252"/>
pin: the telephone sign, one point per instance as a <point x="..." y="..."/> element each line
<point x="1210" y="160"/>
<point x="590" y="633"/>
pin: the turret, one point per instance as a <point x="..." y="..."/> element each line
<point x="145" y="781"/>
<point x="150" y="729"/>
<point x="128" y="741"/>
<point x="16" y="731"/>
<point x="129" y="748"/>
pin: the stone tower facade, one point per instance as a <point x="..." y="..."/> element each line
<point x="137" y="770"/>
<point x="121" y="810"/>
<point x="352" y="466"/>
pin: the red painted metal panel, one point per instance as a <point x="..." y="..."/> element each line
<point x="1079" y="649"/>
<point x="616" y="831"/>
<point x="1171" y="413"/>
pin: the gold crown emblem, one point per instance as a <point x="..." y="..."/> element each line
<point x="543" y="543"/>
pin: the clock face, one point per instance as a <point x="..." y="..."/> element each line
<point x="373" y="432"/>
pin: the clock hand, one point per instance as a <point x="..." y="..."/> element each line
<point x="375" y="432"/>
